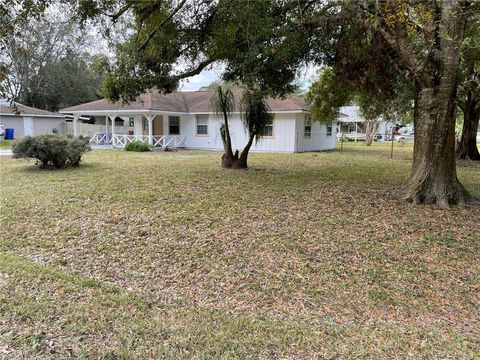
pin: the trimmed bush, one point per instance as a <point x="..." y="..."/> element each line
<point x="52" y="150"/>
<point x="138" y="146"/>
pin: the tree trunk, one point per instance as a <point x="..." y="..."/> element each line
<point x="467" y="147"/>
<point x="241" y="163"/>
<point x="368" y="140"/>
<point x="371" y="128"/>
<point x="231" y="160"/>
<point x="434" y="176"/>
<point x="228" y="158"/>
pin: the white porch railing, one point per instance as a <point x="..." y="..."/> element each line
<point x="173" y="141"/>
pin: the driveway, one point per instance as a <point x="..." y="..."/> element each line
<point x="6" y="152"/>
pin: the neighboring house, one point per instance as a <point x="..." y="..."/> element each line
<point x="352" y="126"/>
<point x="186" y="119"/>
<point x="29" y="121"/>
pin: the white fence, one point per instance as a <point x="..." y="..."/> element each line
<point x="358" y="136"/>
<point x="121" y="140"/>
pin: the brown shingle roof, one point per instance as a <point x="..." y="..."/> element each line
<point x="5" y="109"/>
<point x="183" y="102"/>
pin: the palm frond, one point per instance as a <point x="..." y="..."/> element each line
<point x="223" y="101"/>
<point x="255" y="112"/>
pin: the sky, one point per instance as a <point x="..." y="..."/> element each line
<point x="207" y="76"/>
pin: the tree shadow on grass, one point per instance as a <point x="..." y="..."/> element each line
<point x="33" y="167"/>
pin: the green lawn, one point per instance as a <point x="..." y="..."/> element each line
<point x="151" y="255"/>
<point x="5" y="144"/>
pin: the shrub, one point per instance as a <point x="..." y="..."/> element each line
<point x="138" y="146"/>
<point x="52" y="150"/>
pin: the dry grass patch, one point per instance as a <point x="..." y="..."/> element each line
<point x="304" y="255"/>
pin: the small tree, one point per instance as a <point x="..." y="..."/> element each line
<point x="223" y="103"/>
<point x="255" y="115"/>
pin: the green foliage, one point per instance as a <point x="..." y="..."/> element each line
<point x="137" y="146"/>
<point x="68" y="81"/>
<point x="326" y="96"/>
<point x="240" y="34"/>
<point x="331" y="91"/>
<point x="47" y="65"/>
<point x="52" y="150"/>
<point x="255" y="112"/>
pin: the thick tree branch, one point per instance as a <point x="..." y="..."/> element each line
<point x="402" y="47"/>
<point x="461" y="103"/>
<point x="154" y="31"/>
<point x="195" y="71"/>
<point x="122" y="11"/>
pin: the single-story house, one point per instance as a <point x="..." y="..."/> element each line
<point x="352" y="126"/>
<point x="30" y="120"/>
<point x="186" y="119"/>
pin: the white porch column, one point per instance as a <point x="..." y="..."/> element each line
<point x="356" y="131"/>
<point x="112" y="117"/>
<point x="137" y="126"/>
<point x="150" y="128"/>
<point x="75" y="119"/>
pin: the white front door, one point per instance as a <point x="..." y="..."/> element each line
<point x="27" y="126"/>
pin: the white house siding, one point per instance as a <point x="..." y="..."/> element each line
<point x="13" y="122"/>
<point x="46" y="125"/>
<point x="385" y="129"/>
<point x="283" y="139"/>
<point x="41" y="125"/>
<point x="318" y="140"/>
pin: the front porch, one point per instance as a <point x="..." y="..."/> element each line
<point x="121" y="140"/>
<point x="157" y="128"/>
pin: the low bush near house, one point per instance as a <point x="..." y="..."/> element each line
<point x="138" y="146"/>
<point x="52" y="150"/>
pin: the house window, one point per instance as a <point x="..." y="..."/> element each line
<point x="145" y="125"/>
<point x="202" y="125"/>
<point x="307" y="133"/>
<point x="174" y="125"/>
<point x="268" y="129"/>
<point x="329" y="130"/>
<point x="131" y="121"/>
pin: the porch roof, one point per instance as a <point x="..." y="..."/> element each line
<point x="350" y="114"/>
<point x="183" y="102"/>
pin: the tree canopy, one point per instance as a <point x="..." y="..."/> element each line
<point x="48" y="65"/>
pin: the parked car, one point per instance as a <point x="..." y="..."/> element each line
<point x="404" y="137"/>
<point x="351" y="136"/>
